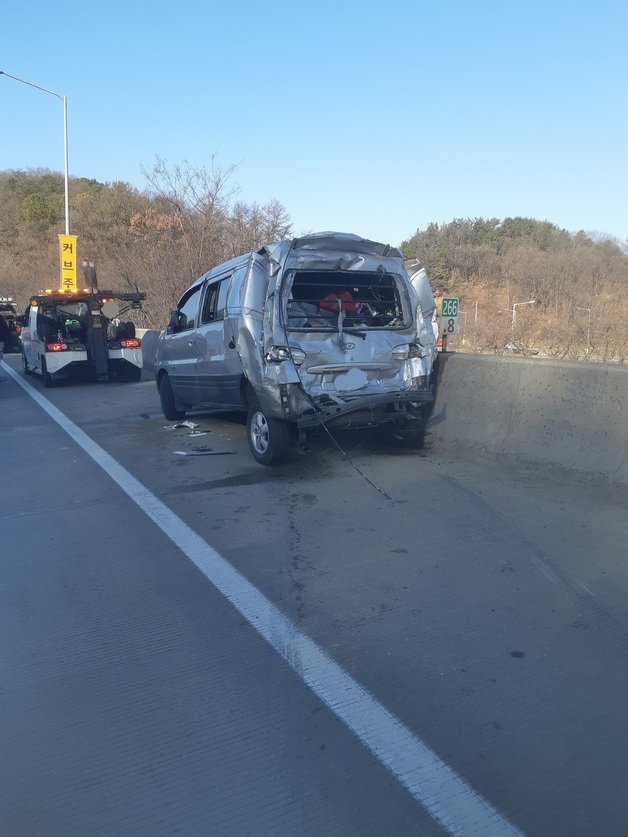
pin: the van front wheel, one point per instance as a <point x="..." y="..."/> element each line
<point x="269" y="438"/>
<point x="168" y="404"/>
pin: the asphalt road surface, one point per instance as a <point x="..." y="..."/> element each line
<point x="381" y="643"/>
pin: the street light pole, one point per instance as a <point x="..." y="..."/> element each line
<point x="65" y="140"/>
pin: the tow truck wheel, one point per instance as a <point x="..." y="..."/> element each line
<point x="130" y="373"/>
<point x="25" y="367"/>
<point x="45" y="374"/>
<point x="168" y="404"/>
<point x="269" y="438"/>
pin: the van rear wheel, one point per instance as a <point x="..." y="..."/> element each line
<point x="269" y="438"/>
<point x="412" y="434"/>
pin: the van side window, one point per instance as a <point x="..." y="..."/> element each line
<point x="215" y="301"/>
<point x="188" y="308"/>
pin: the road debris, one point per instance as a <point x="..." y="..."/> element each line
<point x="187" y="423"/>
<point x="203" y="452"/>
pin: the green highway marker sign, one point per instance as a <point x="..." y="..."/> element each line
<point x="449" y="315"/>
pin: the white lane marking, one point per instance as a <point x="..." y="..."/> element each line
<point x="542" y="566"/>
<point x="447" y="797"/>
<point x="584" y="587"/>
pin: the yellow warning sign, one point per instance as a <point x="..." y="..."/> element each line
<point x="67" y="252"/>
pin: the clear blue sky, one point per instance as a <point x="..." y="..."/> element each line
<point x="364" y="117"/>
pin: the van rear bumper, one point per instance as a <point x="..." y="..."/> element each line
<point x="387" y="407"/>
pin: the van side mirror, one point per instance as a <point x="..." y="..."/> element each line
<point x="173" y="323"/>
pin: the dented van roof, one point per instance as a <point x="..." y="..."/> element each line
<point x="334" y="242"/>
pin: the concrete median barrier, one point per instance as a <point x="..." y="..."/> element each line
<point x="554" y="413"/>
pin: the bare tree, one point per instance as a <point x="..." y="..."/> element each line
<point x="190" y="226"/>
<point x="198" y="199"/>
<point x="250" y="226"/>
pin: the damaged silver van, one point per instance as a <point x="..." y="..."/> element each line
<point x="326" y="329"/>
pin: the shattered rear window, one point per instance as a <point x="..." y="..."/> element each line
<point x="365" y="300"/>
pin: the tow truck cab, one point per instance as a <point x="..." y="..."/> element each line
<point x="73" y="332"/>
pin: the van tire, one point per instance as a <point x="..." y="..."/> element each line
<point x="410" y="437"/>
<point x="25" y="367"/>
<point x="168" y="404"/>
<point x="269" y="438"/>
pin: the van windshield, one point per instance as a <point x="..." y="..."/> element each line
<point x="329" y="300"/>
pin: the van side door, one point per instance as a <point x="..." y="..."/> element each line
<point x="218" y="368"/>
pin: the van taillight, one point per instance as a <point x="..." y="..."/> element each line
<point x="404" y="351"/>
<point x="56" y="347"/>
<point x="277" y="354"/>
<point x="130" y="344"/>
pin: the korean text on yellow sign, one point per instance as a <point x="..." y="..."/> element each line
<point x="67" y="252"/>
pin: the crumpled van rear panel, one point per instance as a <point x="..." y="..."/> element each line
<point x="348" y="324"/>
<point x="338" y="325"/>
<point x="357" y="365"/>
